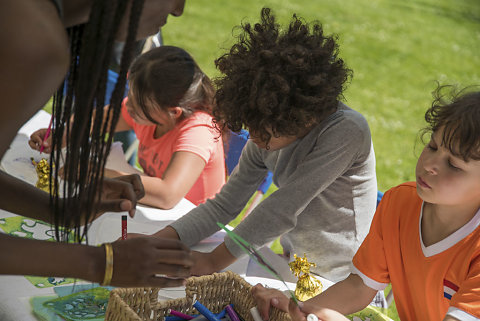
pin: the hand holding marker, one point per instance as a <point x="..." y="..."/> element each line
<point x="47" y="133"/>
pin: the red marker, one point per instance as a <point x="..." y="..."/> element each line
<point x="124" y="227"/>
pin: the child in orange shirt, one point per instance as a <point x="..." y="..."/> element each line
<point x="425" y="236"/>
<point x="169" y="107"/>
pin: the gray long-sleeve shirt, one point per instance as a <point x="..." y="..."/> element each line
<point x="325" y="200"/>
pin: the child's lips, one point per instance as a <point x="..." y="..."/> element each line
<point x="422" y="183"/>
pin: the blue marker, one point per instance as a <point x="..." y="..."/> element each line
<point x="206" y="312"/>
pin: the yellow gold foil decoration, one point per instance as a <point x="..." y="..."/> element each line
<point x="43" y="170"/>
<point x="307" y="285"/>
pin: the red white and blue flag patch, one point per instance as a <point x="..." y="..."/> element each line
<point x="449" y="289"/>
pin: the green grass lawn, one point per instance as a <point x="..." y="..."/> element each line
<point x="397" y="50"/>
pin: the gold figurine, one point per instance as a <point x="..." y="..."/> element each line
<point x="307" y="285"/>
<point x="43" y="171"/>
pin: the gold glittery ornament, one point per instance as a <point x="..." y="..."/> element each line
<point x="307" y="285"/>
<point x="43" y="171"/>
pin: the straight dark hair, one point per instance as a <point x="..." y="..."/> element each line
<point x="169" y="77"/>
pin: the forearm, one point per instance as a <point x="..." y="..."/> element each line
<point x="348" y="296"/>
<point x="159" y="194"/>
<point x="168" y="233"/>
<point x="221" y="257"/>
<point x="42" y="258"/>
<point x="201" y="221"/>
<point x="205" y="263"/>
<point x="13" y="198"/>
<point x="215" y="261"/>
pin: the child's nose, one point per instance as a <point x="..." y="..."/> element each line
<point x="431" y="164"/>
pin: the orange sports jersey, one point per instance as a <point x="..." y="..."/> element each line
<point x="427" y="282"/>
<point x="194" y="134"/>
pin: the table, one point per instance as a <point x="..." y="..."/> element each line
<point x="16" y="291"/>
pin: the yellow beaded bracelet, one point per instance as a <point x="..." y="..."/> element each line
<point x="108" y="264"/>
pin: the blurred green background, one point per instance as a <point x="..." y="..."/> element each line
<point x="397" y="50"/>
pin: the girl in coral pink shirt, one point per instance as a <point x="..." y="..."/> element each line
<point x="168" y="106"/>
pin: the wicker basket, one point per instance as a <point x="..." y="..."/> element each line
<point x="214" y="291"/>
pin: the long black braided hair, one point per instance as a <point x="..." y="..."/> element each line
<point x="83" y="91"/>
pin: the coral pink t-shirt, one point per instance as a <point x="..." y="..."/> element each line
<point x="194" y="134"/>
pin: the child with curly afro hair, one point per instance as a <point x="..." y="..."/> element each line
<point x="285" y="86"/>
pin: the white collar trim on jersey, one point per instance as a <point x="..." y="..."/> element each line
<point x="450" y="240"/>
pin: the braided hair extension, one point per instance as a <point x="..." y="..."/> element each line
<point x="83" y="91"/>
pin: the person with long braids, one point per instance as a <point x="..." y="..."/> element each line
<point x="43" y="41"/>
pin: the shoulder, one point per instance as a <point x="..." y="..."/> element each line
<point x="352" y="117"/>
<point x="346" y="130"/>
<point x="198" y="118"/>
<point x="403" y="198"/>
<point x="407" y="189"/>
<point x="198" y="122"/>
<point x="344" y="122"/>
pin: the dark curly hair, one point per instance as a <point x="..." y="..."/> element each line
<point x="458" y="113"/>
<point x="282" y="80"/>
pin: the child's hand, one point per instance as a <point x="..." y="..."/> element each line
<point x="269" y="297"/>
<point x="158" y="262"/>
<point x="36" y="140"/>
<point x="302" y="311"/>
<point x="295" y="313"/>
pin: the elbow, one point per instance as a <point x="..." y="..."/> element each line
<point x="170" y="196"/>
<point x="165" y="202"/>
<point x="170" y="202"/>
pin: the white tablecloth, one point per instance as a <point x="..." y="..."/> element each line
<point x="16" y="291"/>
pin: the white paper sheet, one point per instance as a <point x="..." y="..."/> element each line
<point x="256" y="274"/>
<point x="116" y="160"/>
<point x="17" y="160"/>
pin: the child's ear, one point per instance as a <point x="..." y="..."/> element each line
<point x="175" y="112"/>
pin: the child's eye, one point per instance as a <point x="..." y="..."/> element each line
<point x="453" y="166"/>
<point x="431" y="147"/>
